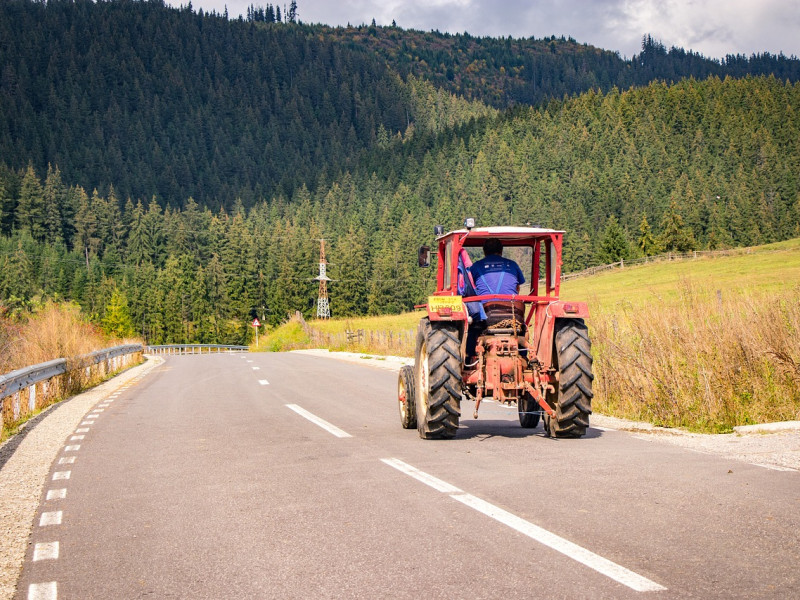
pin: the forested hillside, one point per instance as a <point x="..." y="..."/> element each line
<point x="175" y="104"/>
<point x="699" y="164"/>
<point x="505" y="71"/>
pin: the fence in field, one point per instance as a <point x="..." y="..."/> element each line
<point x="392" y="342"/>
<point x="26" y="390"/>
<point x="668" y="257"/>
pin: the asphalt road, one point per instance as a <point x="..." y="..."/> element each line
<point x="201" y="482"/>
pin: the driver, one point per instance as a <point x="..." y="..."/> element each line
<point x="495" y="274"/>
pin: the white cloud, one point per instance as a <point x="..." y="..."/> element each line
<point x="712" y="27"/>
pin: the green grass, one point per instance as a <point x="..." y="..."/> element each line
<point x="289" y="336"/>
<point x="394" y="323"/>
<point x="770" y="268"/>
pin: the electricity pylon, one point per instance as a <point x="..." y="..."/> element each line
<point x="323" y="305"/>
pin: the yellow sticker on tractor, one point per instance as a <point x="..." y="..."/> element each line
<point x="443" y="303"/>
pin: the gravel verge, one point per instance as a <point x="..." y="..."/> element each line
<point x="774" y="446"/>
<point x="25" y="461"/>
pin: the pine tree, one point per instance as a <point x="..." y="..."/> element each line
<point x="647" y="242"/>
<point x="87" y="240"/>
<point x="614" y="244"/>
<point x="675" y="236"/>
<point x="54" y="203"/>
<point x="31" y="210"/>
<point x="117" y="318"/>
<point x="349" y="293"/>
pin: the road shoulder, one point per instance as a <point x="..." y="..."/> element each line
<point x="23" y="474"/>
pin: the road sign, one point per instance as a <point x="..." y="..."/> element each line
<point x="256" y="323"/>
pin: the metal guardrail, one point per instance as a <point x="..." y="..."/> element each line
<point x="194" y="348"/>
<point x="40" y="385"/>
<point x="13" y="382"/>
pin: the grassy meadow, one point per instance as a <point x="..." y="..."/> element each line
<point x="704" y="344"/>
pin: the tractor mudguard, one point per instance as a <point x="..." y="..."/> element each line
<point x="568" y="310"/>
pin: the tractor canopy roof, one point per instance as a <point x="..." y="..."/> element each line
<point x="510" y="236"/>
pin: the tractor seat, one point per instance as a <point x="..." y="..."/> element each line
<point x="503" y="314"/>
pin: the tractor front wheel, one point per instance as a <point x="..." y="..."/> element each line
<point x="572" y="398"/>
<point x="407" y="398"/>
<point x="437" y="379"/>
<point x="529" y="411"/>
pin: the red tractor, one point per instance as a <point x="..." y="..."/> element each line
<point x="532" y="350"/>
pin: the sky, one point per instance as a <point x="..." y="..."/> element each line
<point x="714" y="28"/>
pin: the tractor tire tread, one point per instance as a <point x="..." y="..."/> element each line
<point x="440" y="418"/>
<point x="573" y="403"/>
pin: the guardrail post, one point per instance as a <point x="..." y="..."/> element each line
<point x="32" y="398"/>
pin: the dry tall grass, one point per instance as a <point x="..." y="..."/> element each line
<point x="53" y="331"/>
<point x="705" y="362"/>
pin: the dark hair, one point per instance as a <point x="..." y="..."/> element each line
<point x="492" y="246"/>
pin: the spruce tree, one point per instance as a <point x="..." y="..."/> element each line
<point x="675" y="236"/>
<point x="117" y="318"/>
<point x="647" y="242"/>
<point x="31" y="210"/>
<point x="614" y="244"/>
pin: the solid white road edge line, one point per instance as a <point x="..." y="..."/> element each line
<point x="43" y="591"/>
<point x="586" y="557"/>
<point x="317" y="421"/>
<point x="775" y="467"/>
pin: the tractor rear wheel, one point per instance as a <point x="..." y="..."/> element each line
<point x="437" y="379"/>
<point x="407" y="398"/>
<point x="529" y="411"/>
<point x="572" y="399"/>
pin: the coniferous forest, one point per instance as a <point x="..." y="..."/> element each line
<point x="173" y="171"/>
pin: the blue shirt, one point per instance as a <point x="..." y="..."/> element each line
<point x="496" y="274"/>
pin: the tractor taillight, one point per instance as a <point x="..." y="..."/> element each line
<point x="570" y="308"/>
<point x="445" y="311"/>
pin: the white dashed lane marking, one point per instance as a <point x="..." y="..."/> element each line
<point x="263" y="382"/>
<point x="73" y="448"/>
<point x="586" y="557"/>
<point x="82" y="430"/>
<point x="59" y="494"/>
<point x="51" y="518"/>
<point x="77" y="438"/>
<point x="43" y="591"/>
<point x="45" y="551"/>
<point x="256" y="368"/>
<point x="61" y="475"/>
<point x="66" y="460"/>
<point x="330" y="428"/>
